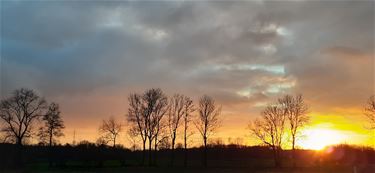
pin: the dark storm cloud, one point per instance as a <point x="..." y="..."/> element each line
<point x="239" y="52"/>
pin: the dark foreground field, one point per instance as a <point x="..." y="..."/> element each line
<point x="194" y="170"/>
<point x="221" y="159"/>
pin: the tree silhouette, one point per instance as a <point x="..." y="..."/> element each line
<point x="110" y="129"/>
<point x="296" y="112"/>
<point x="156" y="105"/>
<point x="188" y="110"/>
<point x="270" y="129"/>
<point x="145" y="114"/>
<point x="53" y="125"/>
<point x="208" y="121"/>
<point x="19" y="112"/>
<point x="175" y="114"/>
<point x="370" y="112"/>
<point x="138" y="119"/>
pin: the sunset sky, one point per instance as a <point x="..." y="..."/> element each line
<point x="88" y="56"/>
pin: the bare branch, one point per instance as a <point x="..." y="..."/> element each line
<point x="19" y="112"/>
<point x="110" y="129"/>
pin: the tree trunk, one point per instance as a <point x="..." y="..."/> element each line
<point x="144" y="152"/>
<point x="185" y="148"/>
<point x="205" y="152"/>
<point x="155" y="150"/>
<point x="19" y="141"/>
<point x="114" y="142"/>
<point x="50" y="140"/>
<point x="172" y="151"/>
<point x="50" y="151"/>
<point x="149" y="152"/>
<point x="293" y="151"/>
<point x="19" y="160"/>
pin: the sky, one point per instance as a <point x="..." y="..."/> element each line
<point x="88" y="57"/>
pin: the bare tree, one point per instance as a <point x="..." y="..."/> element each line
<point x="53" y="125"/>
<point x="110" y="129"/>
<point x="188" y="110"/>
<point x="175" y="114"/>
<point x="208" y="121"/>
<point x="270" y="129"/>
<point x="19" y="112"/>
<point x="138" y="119"/>
<point x="145" y="113"/>
<point x="370" y="112"/>
<point x="296" y="112"/>
<point x="156" y="105"/>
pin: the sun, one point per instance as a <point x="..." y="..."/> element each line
<point x="318" y="139"/>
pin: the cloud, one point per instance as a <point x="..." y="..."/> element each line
<point x="245" y="54"/>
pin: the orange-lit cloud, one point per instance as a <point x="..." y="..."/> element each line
<point x="88" y="56"/>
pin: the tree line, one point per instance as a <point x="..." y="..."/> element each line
<point x="155" y="119"/>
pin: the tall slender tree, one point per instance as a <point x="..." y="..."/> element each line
<point x="208" y="121"/>
<point x="188" y="110"/>
<point x="296" y="112"/>
<point x="53" y="125"/>
<point x="270" y="129"/>
<point x="175" y="114"/>
<point x="156" y="105"/>
<point x="138" y="119"/>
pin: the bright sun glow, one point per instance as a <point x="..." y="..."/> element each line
<point x="317" y="139"/>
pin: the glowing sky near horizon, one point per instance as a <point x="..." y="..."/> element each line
<point x="88" y="56"/>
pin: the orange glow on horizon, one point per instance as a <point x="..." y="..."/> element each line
<point x="318" y="139"/>
<point x="337" y="127"/>
<point x="325" y="129"/>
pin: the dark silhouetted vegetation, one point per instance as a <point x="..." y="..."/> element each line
<point x="53" y="126"/>
<point x="207" y="121"/>
<point x="156" y="121"/>
<point x="89" y="156"/>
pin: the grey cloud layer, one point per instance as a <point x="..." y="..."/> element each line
<point x="239" y="52"/>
